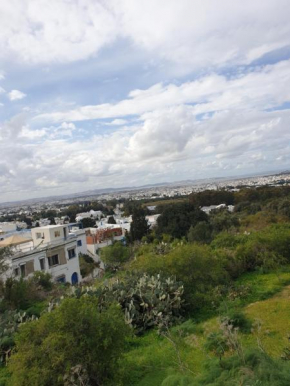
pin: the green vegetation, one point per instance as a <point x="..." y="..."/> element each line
<point x="115" y="255"/>
<point x="139" y="226"/>
<point x="75" y="334"/>
<point x="198" y="300"/>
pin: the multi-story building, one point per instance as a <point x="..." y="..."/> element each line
<point x="54" y="249"/>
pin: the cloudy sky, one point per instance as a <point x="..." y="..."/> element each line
<point x="110" y="93"/>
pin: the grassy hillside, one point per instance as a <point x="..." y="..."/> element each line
<point x="152" y="358"/>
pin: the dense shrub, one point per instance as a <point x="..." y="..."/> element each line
<point x="201" y="233"/>
<point x="256" y="368"/>
<point x="43" y="279"/>
<point x="74" y="334"/>
<point x="115" y="255"/>
<point x="194" y="265"/>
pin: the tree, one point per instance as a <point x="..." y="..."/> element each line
<point x="28" y="221"/>
<point x="52" y="220"/>
<point x="139" y="224"/>
<point x="114" y="255"/>
<point x="177" y="219"/>
<point x="111" y="220"/>
<point x="74" y="334"/>
<point x="88" y="222"/>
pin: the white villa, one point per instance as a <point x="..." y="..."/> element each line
<point x="52" y="248"/>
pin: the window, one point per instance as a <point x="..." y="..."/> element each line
<point x="79" y="243"/>
<point x="16" y="271"/>
<point x="38" y="235"/>
<point x="22" y="270"/>
<point x="53" y="260"/>
<point x="71" y="253"/>
<point x="60" y="279"/>
<point x="42" y="264"/>
<point x="57" y="234"/>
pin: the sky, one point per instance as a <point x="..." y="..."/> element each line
<point x="112" y="93"/>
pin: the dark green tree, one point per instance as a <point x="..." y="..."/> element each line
<point x="52" y="220"/>
<point x="177" y="219"/>
<point x="88" y="222"/>
<point x="139" y="225"/>
<point x="111" y="220"/>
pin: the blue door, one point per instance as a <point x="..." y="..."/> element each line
<point x="74" y="278"/>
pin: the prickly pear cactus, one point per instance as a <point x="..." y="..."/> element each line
<point x="147" y="301"/>
<point x="9" y="324"/>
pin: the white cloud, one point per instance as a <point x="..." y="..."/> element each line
<point x="117" y="122"/>
<point x="210" y="93"/>
<point x="67" y="126"/>
<point x="221" y="120"/>
<point x="194" y="34"/>
<point x="16" y="95"/>
<point x="54" y="31"/>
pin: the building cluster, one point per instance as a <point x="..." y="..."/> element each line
<point x="55" y="249"/>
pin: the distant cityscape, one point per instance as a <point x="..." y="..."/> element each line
<point x="163" y="190"/>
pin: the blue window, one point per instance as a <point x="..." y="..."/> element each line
<point x="79" y="243"/>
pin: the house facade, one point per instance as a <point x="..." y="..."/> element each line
<point x="53" y="249"/>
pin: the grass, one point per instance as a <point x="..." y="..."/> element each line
<point x="274" y="316"/>
<point x="151" y="357"/>
<point x="4" y="375"/>
<point x="263" y="286"/>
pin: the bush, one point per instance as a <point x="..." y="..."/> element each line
<point x="115" y="255"/>
<point x="238" y="320"/>
<point x="43" y="279"/>
<point x="200" y="233"/>
<point x="256" y="368"/>
<point x="87" y="264"/>
<point x="194" y="265"/>
<point x="74" y="334"/>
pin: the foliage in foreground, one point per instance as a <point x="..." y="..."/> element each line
<point x="255" y="369"/>
<point x="74" y="334"/>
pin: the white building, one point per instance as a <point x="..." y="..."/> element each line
<point x="94" y="214"/>
<point x="53" y="249"/>
<point x="208" y="209"/>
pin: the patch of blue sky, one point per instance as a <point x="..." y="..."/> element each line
<point x="270" y="58"/>
<point x="283" y="106"/>
<point x="204" y="116"/>
<point x="273" y="57"/>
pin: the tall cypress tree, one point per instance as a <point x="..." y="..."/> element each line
<point x="139" y="224"/>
